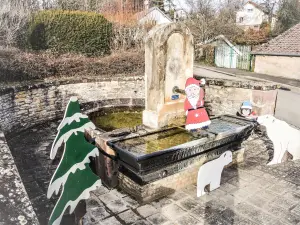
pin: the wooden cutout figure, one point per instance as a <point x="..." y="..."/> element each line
<point x="73" y="173"/>
<point x="210" y="173"/>
<point x="196" y="115"/>
<point x="284" y="138"/>
<point x="246" y="111"/>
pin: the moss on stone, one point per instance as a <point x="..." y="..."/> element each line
<point x="115" y="120"/>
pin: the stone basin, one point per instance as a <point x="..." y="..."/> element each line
<point x="149" y="164"/>
<point x="153" y="151"/>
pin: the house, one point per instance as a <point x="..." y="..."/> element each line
<point x="281" y="56"/>
<point x="252" y="16"/>
<point x="153" y="14"/>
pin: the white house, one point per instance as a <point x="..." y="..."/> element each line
<point x="153" y="14"/>
<point x="252" y="16"/>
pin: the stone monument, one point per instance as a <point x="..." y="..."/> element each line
<point x="169" y="57"/>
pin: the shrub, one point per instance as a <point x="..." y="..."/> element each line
<point x="69" y="31"/>
<point x="16" y="65"/>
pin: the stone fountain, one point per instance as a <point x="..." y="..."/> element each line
<point x="158" y="157"/>
<point x="169" y="62"/>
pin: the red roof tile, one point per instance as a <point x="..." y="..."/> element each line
<point x="288" y="43"/>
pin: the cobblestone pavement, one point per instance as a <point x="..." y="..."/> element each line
<point x="251" y="193"/>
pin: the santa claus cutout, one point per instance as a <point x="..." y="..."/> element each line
<point x="196" y="115"/>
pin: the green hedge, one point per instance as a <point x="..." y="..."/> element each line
<point x="69" y="31"/>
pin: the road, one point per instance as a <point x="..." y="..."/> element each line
<point x="288" y="98"/>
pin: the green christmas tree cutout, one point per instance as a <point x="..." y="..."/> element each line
<point x="73" y="173"/>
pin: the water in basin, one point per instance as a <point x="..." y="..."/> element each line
<point x="175" y="137"/>
<point x="116" y="118"/>
<point x="157" y="141"/>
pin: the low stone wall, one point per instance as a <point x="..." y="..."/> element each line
<point x="226" y="97"/>
<point x="15" y="206"/>
<point x="24" y="106"/>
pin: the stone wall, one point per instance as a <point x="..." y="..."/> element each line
<point x="24" y="106"/>
<point x="226" y="97"/>
<point x="28" y="105"/>
<point x="277" y="66"/>
<point x="15" y="205"/>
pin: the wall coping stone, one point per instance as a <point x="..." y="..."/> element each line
<point x="15" y="206"/>
<point x="245" y="84"/>
<point x="37" y="84"/>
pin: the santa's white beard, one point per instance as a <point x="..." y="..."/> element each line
<point x="193" y="102"/>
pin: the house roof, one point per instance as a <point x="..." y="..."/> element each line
<point x="222" y="37"/>
<point x="260" y="7"/>
<point x="144" y="13"/>
<point x="288" y="43"/>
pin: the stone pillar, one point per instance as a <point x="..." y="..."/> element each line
<point x="169" y="58"/>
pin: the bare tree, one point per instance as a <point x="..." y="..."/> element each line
<point x="13" y="16"/>
<point x="207" y="19"/>
<point x="269" y="6"/>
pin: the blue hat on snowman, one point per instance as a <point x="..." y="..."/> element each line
<point x="246" y="105"/>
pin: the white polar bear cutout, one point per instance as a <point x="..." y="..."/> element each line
<point x="284" y="137"/>
<point x="210" y="173"/>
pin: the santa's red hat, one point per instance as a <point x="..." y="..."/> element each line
<point x="193" y="82"/>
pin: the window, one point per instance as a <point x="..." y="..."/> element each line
<point x="241" y="19"/>
<point x="250" y="10"/>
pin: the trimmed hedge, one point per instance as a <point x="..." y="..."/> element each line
<point x="70" y="31"/>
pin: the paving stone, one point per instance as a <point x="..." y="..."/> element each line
<point x="157" y="219"/>
<point x="117" y="206"/>
<point x="205" y="198"/>
<point x="216" y="220"/>
<point x="241" y="194"/>
<point x="228" y="188"/>
<point x="172" y="212"/>
<point x="284" y="202"/>
<point x="129" y="217"/>
<point x="256" y="173"/>
<point x="187" y="220"/>
<point x="238" y="182"/>
<point x="278" y="188"/>
<point x="118" y="193"/>
<point x="147" y="210"/>
<point x="261" y="183"/>
<point x="100" y="191"/>
<point x="205" y="211"/>
<point x="232" y="217"/>
<point x="108" y="197"/>
<point x="131" y="202"/>
<point x="266" y="194"/>
<point x="257" y="201"/>
<point x="296" y="211"/>
<point x="230" y="200"/>
<point x="97" y="214"/>
<point x="178" y="195"/>
<point x="93" y="202"/>
<point x="141" y="222"/>
<point x="218" y="193"/>
<point x="110" y="221"/>
<point x="244" y="222"/>
<point x="282" y="214"/>
<point x="247" y="177"/>
<point x="187" y="204"/>
<point x="162" y="202"/>
<point x="255" y="214"/>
